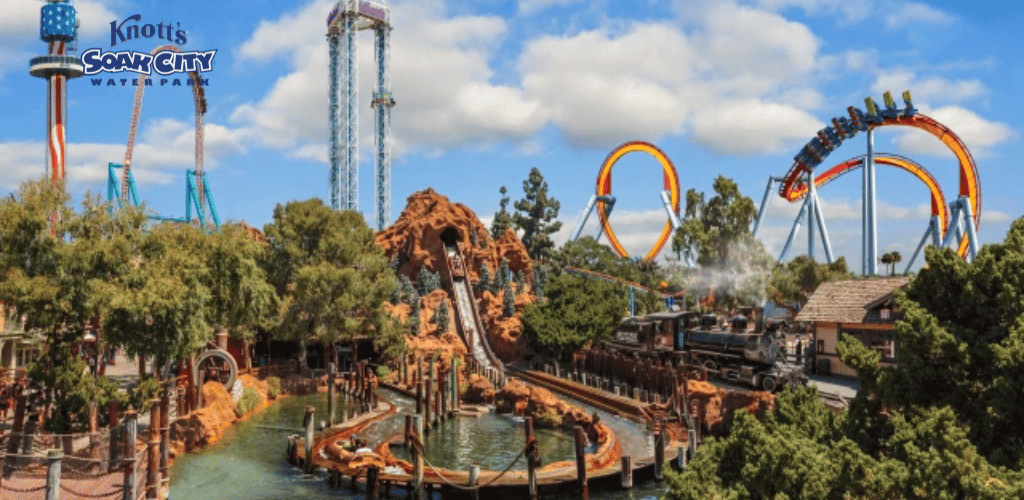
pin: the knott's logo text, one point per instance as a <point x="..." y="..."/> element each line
<point x="164" y="62"/>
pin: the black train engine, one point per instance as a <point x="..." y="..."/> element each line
<point x="737" y="353"/>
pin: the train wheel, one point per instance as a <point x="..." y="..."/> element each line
<point x="769" y="384"/>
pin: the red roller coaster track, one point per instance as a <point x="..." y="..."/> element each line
<point x="199" y="99"/>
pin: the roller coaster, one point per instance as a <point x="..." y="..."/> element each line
<point x="957" y="227"/>
<point x="954" y="225"/>
<point x="197" y="190"/>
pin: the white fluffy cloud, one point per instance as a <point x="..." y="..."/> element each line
<point x="928" y="89"/>
<point x="165" y="150"/>
<point x="906" y="13"/>
<point x="747" y="127"/>
<point x="851" y="10"/>
<point x="439" y="69"/>
<point x="979" y="134"/>
<point x="600" y="86"/>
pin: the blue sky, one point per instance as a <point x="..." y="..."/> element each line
<point x="487" y="90"/>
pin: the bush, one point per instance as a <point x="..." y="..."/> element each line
<point x="273" y="387"/>
<point x="383" y="372"/>
<point x="249" y="400"/>
<point x="548" y="419"/>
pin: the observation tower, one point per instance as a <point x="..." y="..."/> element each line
<point x="58" y="27"/>
<point x="344" y="21"/>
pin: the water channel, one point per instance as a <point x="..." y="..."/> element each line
<point x="248" y="462"/>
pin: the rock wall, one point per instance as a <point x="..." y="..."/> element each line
<point x="416" y="239"/>
<point x="546" y="409"/>
<point x="720" y="405"/>
<point x="206" y="425"/>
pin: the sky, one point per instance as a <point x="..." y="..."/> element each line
<point x="488" y="89"/>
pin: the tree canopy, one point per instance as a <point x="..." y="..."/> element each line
<point x="537" y="216"/>
<point x="575" y="311"/>
<point x="793" y="283"/>
<point x="960" y="345"/>
<point x="502" y="219"/>
<point x="331" y="275"/>
<point x="711" y="228"/>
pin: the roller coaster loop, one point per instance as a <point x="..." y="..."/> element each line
<point x="794" y="185"/>
<point x="938" y="199"/>
<point x="670" y="196"/>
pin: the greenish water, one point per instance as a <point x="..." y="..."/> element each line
<point x="248" y="463"/>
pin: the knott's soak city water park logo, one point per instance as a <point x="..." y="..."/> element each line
<point x="164" y="60"/>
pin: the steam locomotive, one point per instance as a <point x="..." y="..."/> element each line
<point x="739" y="352"/>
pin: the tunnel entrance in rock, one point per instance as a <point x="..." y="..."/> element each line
<point x="450" y="236"/>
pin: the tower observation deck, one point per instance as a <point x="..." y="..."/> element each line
<point x="345" y="20"/>
<point x="58" y="27"/>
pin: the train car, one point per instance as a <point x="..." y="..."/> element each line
<point x="738" y="352"/>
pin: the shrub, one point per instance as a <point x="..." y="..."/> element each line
<point x="249" y="400"/>
<point x="548" y="418"/>
<point x="383" y="372"/>
<point x="273" y="387"/>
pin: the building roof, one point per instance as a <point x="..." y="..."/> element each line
<point x="848" y="301"/>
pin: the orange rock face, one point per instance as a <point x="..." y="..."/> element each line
<point x="206" y="425"/>
<point x="418" y="239"/>
<point x="546" y="409"/>
<point x="720" y="405"/>
<point x="480" y="390"/>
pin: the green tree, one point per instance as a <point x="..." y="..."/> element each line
<point x="589" y="254"/>
<point x="576" y="311"/>
<point x="800" y="452"/>
<point x="502" y="219"/>
<point x="414" y="316"/>
<point x="960" y="344"/>
<point x="508" y="301"/>
<point x="501" y="277"/>
<point x="715" y="234"/>
<point x="53" y="263"/>
<point x="484" y="281"/>
<point x="441" y="318"/>
<point x="331" y="275"/>
<point x="242" y="301"/>
<point x="537" y="216"/>
<point x="712" y="229"/>
<point x="162" y="307"/>
<point x="427" y="281"/>
<point x="792" y="284"/>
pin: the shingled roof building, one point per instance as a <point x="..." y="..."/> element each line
<point x="862" y="308"/>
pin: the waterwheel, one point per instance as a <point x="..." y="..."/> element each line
<point x="216" y="364"/>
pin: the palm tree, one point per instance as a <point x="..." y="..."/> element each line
<point x="887" y="259"/>
<point x="896" y="259"/>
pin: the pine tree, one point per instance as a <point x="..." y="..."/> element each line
<point x="484" y="283"/>
<point x="428" y="281"/>
<point x="441" y="318"/>
<point x="501" y="279"/>
<point x="520" y="280"/>
<point x="409" y="293"/>
<point x="502" y="219"/>
<point x="537" y="216"/>
<point x="508" y="301"/>
<point x="414" y="316"/>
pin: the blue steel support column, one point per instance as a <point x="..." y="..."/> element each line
<point x="933" y="233"/>
<point x="583" y="220"/>
<point x="796" y="228"/>
<point x="812" y="202"/>
<point x="334" y="110"/>
<point x="825" y="241"/>
<point x="870" y="217"/>
<point x="764" y="203"/>
<point x="383" y="100"/>
<point x="350" y="178"/>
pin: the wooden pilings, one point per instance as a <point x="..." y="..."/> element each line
<point x="307" y="423"/>
<point x="626" y="476"/>
<point x="581" y="461"/>
<point x="332" y="373"/>
<point x="131" y="427"/>
<point x="532" y="458"/>
<point x="153" y="469"/>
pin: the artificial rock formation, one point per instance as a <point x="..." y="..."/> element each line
<point x="718" y="406"/>
<point x="206" y="425"/>
<point x="417" y="239"/>
<point x="546" y="409"/>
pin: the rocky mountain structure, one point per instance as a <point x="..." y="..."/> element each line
<point x="418" y="239"/>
